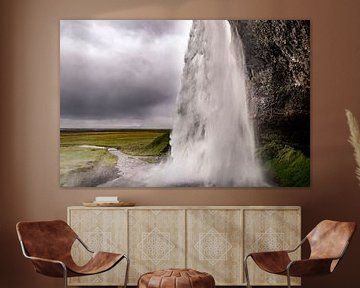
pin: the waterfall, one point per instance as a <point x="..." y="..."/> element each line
<point x="212" y="141"/>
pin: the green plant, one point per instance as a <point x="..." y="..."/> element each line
<point x="290" y="168"/>
<point x="354" y="140"/>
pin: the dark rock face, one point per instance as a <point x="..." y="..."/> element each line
<point x="277" y="57"/>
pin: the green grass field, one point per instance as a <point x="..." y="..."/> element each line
<point x="89" y="167"/>
<point x="75" y="158"/>
<point x="285" y="165"/>
<point x="132" y="142"/>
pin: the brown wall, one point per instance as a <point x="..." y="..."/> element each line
<point x="29" y="112"/>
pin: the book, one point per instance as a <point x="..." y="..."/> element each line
<point x="105" y="202"/>
<point x="107" y="199"/>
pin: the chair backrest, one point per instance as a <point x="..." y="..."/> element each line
<point x="46" y="239"/>
<point x="329" y="239"/>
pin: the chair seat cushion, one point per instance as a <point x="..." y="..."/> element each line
<point x="176" y="278"/>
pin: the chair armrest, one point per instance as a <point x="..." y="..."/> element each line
<point x="45" y="260"/>
<point x="268" y="254"/>
<point x="309" y="267"/>
<point x="280" y="251"/>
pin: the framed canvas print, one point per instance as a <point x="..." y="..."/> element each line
<point x="185" y="103"/>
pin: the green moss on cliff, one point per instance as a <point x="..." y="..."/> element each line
<point x="290" y="168"/>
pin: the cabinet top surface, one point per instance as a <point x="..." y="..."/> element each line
<point x="193" y="207"/>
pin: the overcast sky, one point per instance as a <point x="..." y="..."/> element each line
<point x="118" y="74"/>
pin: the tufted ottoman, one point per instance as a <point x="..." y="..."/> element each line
<point x="176" y="278"/>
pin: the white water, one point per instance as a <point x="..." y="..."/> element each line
<point x="212" y="142"/>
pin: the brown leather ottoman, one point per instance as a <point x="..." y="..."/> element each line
<point x="176" y="278"/>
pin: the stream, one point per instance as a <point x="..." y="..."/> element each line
<point x="129" y="168"/>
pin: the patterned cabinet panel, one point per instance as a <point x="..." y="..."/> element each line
<point x="210" y="239"/>
<point x="156" y="240"/>
<point x="267" y="230"/>
<point x="101" y="230"/>
<point x="214" y="244"/>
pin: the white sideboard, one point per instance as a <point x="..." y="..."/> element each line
<point x="211" y="239"/>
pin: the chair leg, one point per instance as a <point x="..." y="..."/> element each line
<point x="288" y="278"/>
<point x="246" y="270"/>
<point x="65" y="276"/>
<point x="127" y="271"/>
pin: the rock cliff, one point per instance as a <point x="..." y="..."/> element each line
<point x="277" y="57"/>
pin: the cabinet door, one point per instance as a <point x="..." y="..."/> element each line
<point x="156" y="240"/>
<point x="101" y="230"/>
<point x="270" y="230"/>
<point x="214" y="244"/>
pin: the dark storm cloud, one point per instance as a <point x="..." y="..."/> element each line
<point x="120" y="73"/>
